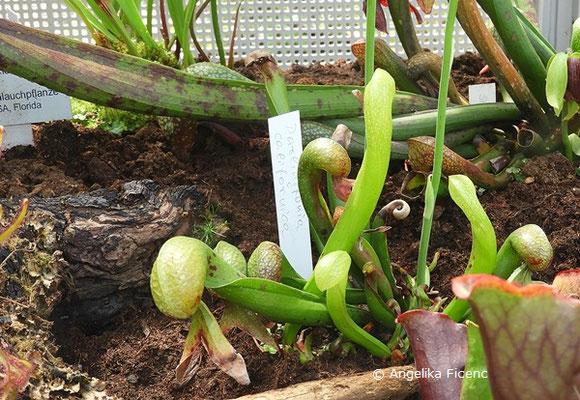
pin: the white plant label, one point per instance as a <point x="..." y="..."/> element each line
<point x="484" y="93"/>
<point x="24" y="102"/>
<point x="15" y="135"/>
<point x="293" y="227"/>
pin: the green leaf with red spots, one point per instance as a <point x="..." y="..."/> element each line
<point x="530" y="335"/>
<point x="440" y="348"/>
<point x="116" y="80"/>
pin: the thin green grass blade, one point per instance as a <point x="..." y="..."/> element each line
<point x="179" y="17"/>
<point x="422" y="270"/>
<point x="150" y="16"/>
<point x="91" y="21"/>
<point x="131" y="12"/>
<point x="217" y="31"/>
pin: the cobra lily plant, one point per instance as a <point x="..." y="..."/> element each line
<point x="354" y="287"/>
<point x="353" y="268"/>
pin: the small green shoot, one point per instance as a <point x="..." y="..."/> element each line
<point x="212" y="227"/>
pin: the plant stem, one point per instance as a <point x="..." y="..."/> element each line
<point x="470" y="18"/>
<point x="217" y="32"/>
<point x="233" y="38"/>
<point x="521" y="50"/>
<point x="448" y="52"/>
<point x="405" y="27"/>
<point x="370" y="39"/>
<point x="423" y="123"/>
<point x="544" y="48"/>
<point x="164" y="30"/>
<point x="196" y="43"/>
<point x="150" y="16"/>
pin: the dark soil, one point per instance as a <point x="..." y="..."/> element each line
<point x="137" y="360"/>
<point x="136" y="357"/>
<point x="465" y="72"/>
<point x="548" y="198"/>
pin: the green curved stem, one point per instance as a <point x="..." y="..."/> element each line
<point x="405" y="27"/>
<point x="424" y="123"/>
<point x="378" y="99"/>
<point x="369" y="183"/>
<point x="482" y="259"/>
<point x="150" y="16"/>
<point x="331" y="275"/>
<point x="370" y="37"/>
<point x="320" y="155"/>
<point x="182" y="19"/>
<point x="378" y="289"/>
<point x="133" y="17"/>
<point x="566" y="141"/>
<point x="326" y="154"/>
<point x="542" y="46"/>
<point x="399" y="150"/>
<point x="91" y="21"/>
<point x="521" y="50"/>
<point x="433" y="183"/>
<point x="281" y="303"/>
<point x="527" y="244"/>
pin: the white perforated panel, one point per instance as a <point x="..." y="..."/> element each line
<point x="295" y="31"/>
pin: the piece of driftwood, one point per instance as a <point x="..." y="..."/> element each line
<point x="383" y="384"/>
<point x="108" y="239"/>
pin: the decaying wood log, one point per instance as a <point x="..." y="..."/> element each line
<point x="109" y="239"/>
<point x="388" y="384"/>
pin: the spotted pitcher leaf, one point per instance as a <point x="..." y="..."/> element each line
<point x="530" y="336"/>
<point x="440" y="348"/>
